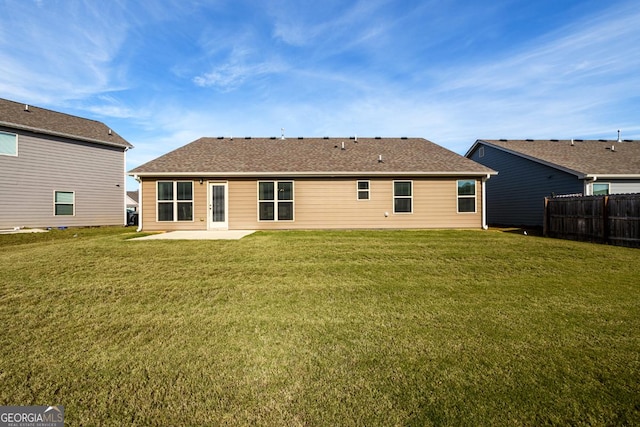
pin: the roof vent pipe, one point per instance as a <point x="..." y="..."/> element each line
<point x="342" y="147"/>
<point x="109" y="131"/>
<point x="282" y="133"/>
<point x="380" y="158"/>
<point x="613" y="147"/>
<point x="356" y="138"/>
<point x="572" y="144"/>
<point x="619" y="140"/>
<point x="26" y="107"/>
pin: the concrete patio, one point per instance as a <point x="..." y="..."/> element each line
<point x="198" y="235"/>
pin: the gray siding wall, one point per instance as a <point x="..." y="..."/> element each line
<point x="47" y="164"/>
<point x="516" y="195"/>
<point x="622" y="187"/>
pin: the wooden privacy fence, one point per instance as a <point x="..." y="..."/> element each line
<point x="613" y="219"/>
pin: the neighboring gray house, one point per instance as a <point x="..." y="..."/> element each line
<point x="530" y="170"/>
<point x="132" y="200"/>
<point x="59" y="170"/>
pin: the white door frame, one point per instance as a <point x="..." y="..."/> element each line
<point x="218" y="225"/>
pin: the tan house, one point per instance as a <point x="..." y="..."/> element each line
<point x="311" y="183"/>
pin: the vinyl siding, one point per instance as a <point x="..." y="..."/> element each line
<point x="327" y="204"/>
<point x="47" y="164"/>
<point x="622" y="187"/>
<point x="516" y="195"/>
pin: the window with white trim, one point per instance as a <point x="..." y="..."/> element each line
<point x="466" y="196"/>
<point x="64" y="203"/>
<point x="363" y="190"/>
<point x="8" y="144"/>
<point x="174" y="200"/>
<point x="600" y="189"/>
<point x="402" y="196"/>
<point x="275" y="200"/>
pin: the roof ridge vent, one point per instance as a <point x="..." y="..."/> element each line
<point x="272" y="137"/>
<point x="301" y="137"/>
<point x="221" y="137"/>
<point x="325" y="137"/>
<point x="502" y="139"/>
<point x="403" y="137"/>
<point x="529" y="139"/>
<point x="247" y="137"/>
<point x="378" y="137"/>
<point x="602" y="140"/>
<point x="554" y="140"/>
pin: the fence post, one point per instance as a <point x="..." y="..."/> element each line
<point x="545" y="220"/>
<point x="605" y="219"/>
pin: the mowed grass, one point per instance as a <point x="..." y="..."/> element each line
<point x="321" y="329"/>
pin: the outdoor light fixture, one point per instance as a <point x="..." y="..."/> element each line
<point x="201" y="181"/>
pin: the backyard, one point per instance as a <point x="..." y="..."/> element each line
<point x="375" y="328"/>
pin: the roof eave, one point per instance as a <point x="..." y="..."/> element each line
<point x="64" y="135"/>
<point x="312" y="174"/>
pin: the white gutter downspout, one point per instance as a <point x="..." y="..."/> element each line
<point x="484" y="202"/>
<point x="124" y="169"/>
<point x="588" y="185"/>
<point x="137" y="178"/>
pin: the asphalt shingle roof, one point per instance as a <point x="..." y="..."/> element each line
<point x="587" y="157"/>
<point x="322" y="156"/>
<point x="16" y="115"/>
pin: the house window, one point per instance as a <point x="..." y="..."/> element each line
<point x="600" y="189"/>
<point x="275" y="200"/>
<point x="402" y="196"/>
<point x="363" y="190"/>
<point x="64" y="203"/>
<point x="8" y="144"/>
<point x="175" y="200"/>
<point x="466" y="196"/>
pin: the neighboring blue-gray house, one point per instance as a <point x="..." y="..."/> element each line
<point x="530" y="170"/>
<point x="59" y="170"/>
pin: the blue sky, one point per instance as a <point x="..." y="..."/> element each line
<point x="164" y="73"/>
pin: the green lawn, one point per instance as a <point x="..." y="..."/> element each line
<point x="321" y="328"/>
